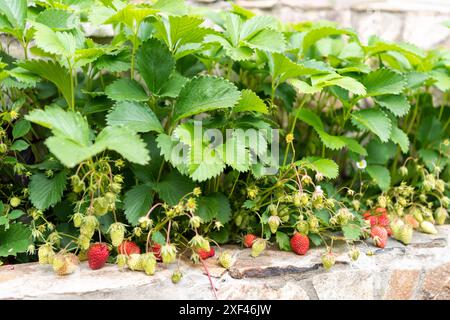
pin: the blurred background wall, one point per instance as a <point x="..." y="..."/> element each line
<point x="421" y="22"/>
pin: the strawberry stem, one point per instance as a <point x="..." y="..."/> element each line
<point x="209" y="278"/>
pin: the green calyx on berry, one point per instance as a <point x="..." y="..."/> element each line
<point x="168" y="253"/>
<point x="176" y="276"/>
<point x="46" y="254"/>
<point x="148" y="262"/>
<point x="274" y="223"/>
<point x="117" y="233"/>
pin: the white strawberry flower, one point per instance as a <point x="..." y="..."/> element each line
<point x="362" y="164"/>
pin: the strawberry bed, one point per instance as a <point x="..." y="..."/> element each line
<point x="193" y="128"/>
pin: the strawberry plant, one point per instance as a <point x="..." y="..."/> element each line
<point x="187" y="129"/>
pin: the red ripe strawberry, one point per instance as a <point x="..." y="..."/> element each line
<point x="206" y="254"/>
<point x="383" y="220"/>
<point x="379" y="236"/>
<point x="128" y="248"/>
<point x="249" y="239"/>
<point x="156" y="249"/>
<point x="367" y="215"/>
<point x="97" y="255"/>
<point x="373" y="220"/>
<point x="299" y="243"/>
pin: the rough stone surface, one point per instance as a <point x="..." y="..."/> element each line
<point x="436" y="284"/>
<point x="355" y="285"/>
<point x="402" y="284"/>
<point x="418" y="271"/>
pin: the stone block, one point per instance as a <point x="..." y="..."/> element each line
<point x="402" y="284"/>
<point x="436" y="283"/>
<point x="345" y="285"/>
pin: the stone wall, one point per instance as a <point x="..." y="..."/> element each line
<point x="416" y="21"/>
<point x="418" y="271"/>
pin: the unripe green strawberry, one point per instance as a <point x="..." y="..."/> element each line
<point x="382" y="201"/>
<point x="428" y="227"/>
<point x="404" y="234"/>
<point x="225" y="260"/>
<point x="15" y="202"/>
<point x="258" y="247"/>
<point x="176" y="276"/>
<point x="148" y="261"/>
<point x="46" y="254"/>
<point x="313" y="224"/>
<point x="134" y="262"/>
<point x="100" y="206"/>
<point x="3" y="147"/>
<point x="284" y="214"/>
<point x="440" y="215"/>
<point x="328" y="260"/>
<point x="302" y="227"/>
<point x="297" y="199"/>
<point x="445" y="201"/>
<point x="238" y="220"/>
<point x="354" y="253"/>
<point x="356" y="204"/>
<point x="440" y="185"/>
<point x="65" y="263"/>
<point x="145" y="222"/>
<point x="84" y="242"/>
<point x="115" y="187"/>
<point x="77" y="219"/>
<point x="88" y="225"/>
<point x="195" y="222"/>
<point x="395" y="225"/>
<point x="77" y="184"/>
<point x="403" y="171"/>
<point x="110" y="198"/>
<point x="117" y="233"/>
<point x="168" y="253"/>
<point x="416" y="213"/>
<point x="121" y="260"/>
<point x="318" y="202"/>
<point x="274" y="222"/>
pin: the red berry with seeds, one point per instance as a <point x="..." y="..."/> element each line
<point x="97" y="254"/>
<point x="128" y="248"/>
<point x="379" y="236"/>
<point x="383" y="220"/>
<point x="206" y="254"/>
<point x="299" y="243"/>
<point x="156" y="249"/>
<point x="373" y="220"/>
<point x="249" y="239"/>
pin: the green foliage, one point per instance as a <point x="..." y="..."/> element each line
<point x="205" y="94"/>
<point x="71" y="142"/>
<point x="46" y="192"/>
<point x="14" y="240"/>
<point x="109" y="128"/>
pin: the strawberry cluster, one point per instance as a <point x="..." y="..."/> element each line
<point x="379" y="226"/>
